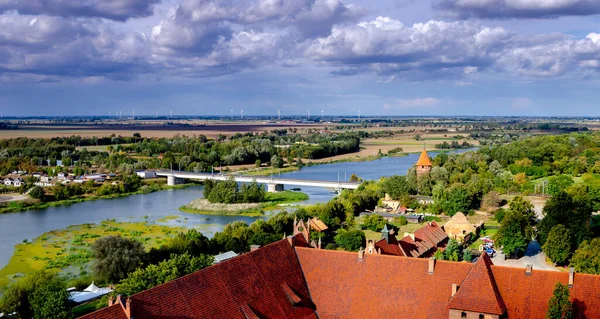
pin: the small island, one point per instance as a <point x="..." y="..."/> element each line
<point x="228" y="198"/>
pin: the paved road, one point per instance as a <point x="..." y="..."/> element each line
<point x="12" y="197"/>
<point x="533" y="256"/>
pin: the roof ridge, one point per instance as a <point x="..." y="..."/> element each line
<point x="475" y="286"/>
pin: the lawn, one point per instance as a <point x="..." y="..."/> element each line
<point x="272" y="201"/>
<point x="68" y="250"/>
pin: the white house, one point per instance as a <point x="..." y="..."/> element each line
<point x="62" y="176"/>
<point x="8" y="181"/>
<point x="146" y="174"/>
<point x="17" y="182"/>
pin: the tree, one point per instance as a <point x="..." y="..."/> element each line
<point x="155" y="274"/>
<point x="524" y="207"/>
<point x="40" y="294"/>
<point x="558" y="245"/>
<point x="354" y="178"/>
<point x="586" y="258"/>
<point x="276" y="161"/>
<point x="491" y="201"/>
<point x="257" y="163"/>
<point x="396" y="186"/>
<point x="560" y="306"/>
<point x="452" y="251"/>
<point x="350" y="240"/>
<point x="559" y="183"/>
<point x="51" y="301"/>
<point x="573" y="213"/>
<point x="458" y="199"/>
<point x="116" y="257"/>
<point x="514" y="234"/>
<point x="37" y="192"/>
<point x="192" y="242"/>
<point x="373" y="222"/>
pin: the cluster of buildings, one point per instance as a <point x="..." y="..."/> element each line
<point x="291" y="279"/>
<point x="16" y="179"/>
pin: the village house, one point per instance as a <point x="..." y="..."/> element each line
<point x="460" y="229"/>
<point x="17" y="182"/>
<point x="8" y="181"/>
<point x="421" y="244"/>
<point x="289" y="279"/>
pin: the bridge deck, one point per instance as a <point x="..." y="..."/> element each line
<point x="260" y="179"/>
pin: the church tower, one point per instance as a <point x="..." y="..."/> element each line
<point x="423" y="165"/>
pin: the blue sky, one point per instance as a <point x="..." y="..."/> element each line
<point x="382" y="57"/>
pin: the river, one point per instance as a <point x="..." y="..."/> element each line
<point x="15" y="227"/>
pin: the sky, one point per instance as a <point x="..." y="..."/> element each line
<point x="340" y="57"/>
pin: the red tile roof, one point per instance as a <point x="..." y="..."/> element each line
<point x="113" y="312"/>
<point x="235" y="288"/>
<point x="278" y="281"/>
<point x="427" y="240"/>
<point x="379" y="286"/>
<point x="478" y="292"/>
<point x="424" y="159"/>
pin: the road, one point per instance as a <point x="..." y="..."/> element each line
<point x="12" y="197"/>
<point x="533" y="256"/>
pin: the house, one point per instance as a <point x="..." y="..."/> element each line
<point x="17" y="182"/>
<point x="318" y="225"/>
<point x="423" y="200"/>
<point x="460" y="229"/>
<point x="421" y="244"/>
<point x="387" y="201"/>
<point x="62" y="176"/>
<point x="146" y="174"/>
<point x="288" y="279"/>
<point x="8" y="181"/>
<point x="414" y="219"/>
<point x="44" y="179"/>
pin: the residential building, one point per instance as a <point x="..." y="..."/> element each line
<point x="287" y="279"/>
<point x="8" y="181"/>
<point x="17" y="182"/>
<point x="460" y="229"/>
<point x="423" y="243"/>
<point x="146" y="174"/>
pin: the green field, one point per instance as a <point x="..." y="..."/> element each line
<point x="68" y="250"/>
<point x="272" y="201"/>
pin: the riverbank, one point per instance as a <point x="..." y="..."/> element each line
<point x="272" y="201"/>
<point x="29" y="204"/>
<point x="68" y="250"/>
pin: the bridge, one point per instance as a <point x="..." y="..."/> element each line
<point x="274" y="184"/>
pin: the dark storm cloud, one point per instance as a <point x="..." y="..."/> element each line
<point x="110" y="9"/>
<point x="505" y="9"/>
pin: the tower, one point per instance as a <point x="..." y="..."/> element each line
<point x="423" y="165"/>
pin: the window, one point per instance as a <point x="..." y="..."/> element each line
<point x="463" y="314"/>
<point x="481" y="316"/>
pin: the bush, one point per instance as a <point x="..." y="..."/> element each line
<point x="116" y="257"/>
<point x="350" y="240"/>
<point x="37" y="192"/>
<point x="399" y="221"/>
<point x="373" y="222"/>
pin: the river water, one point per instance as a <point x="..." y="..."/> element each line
<point x="15" y="227"/>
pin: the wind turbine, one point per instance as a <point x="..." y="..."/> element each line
<point x="170" y="114"/>
<point x="308" y="111"/>
<point x="231" y="113"/>
<point x="109" y="113"/>
<point x="279" y="114"/>
<point x="242" y="112"/>
<point x="156" y="114"/>
<point x="322" y="112"/>
<point x="133" y="114"/>
<point x="359" y="114"/>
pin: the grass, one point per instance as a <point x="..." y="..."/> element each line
<point x="267" y="171"/>
<point x="272" y="201"/>
<point x="88" y="307"/>
<point x="68" y="250"/>
<point x="486" y="232"/>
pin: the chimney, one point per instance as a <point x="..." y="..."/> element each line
<point x="431" y="265"/>
<point x="126" y="305"/>
<point x="454" y="289"/>
<point x="528" y="269"/>
<point x="254" y="247"/>
<point x="571" y="277"/>
<point x="111" y="301"/>
<point x="361" y="254"/>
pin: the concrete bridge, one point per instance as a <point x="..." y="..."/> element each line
<point x="274" y="184"/>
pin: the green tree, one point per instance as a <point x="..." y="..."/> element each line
<point x="257" y="163"/>
<point x="452" y="251"/>
<point x="51" y="301"/>
<point x="25" y="295"/>
<point x="514" y="234"/>
<point x="560" y="306"/>
<point x="350" y="240"/>
<point x="458" y="199"/>
<point x="491" y="201"/>
<point x="573" y="213"/>
<point x="155" y="274"/>
<point x="37" y="192"/>
<point x="373" y="222"/>
<point x="522" y="206"/>
<point x="558" y="245"/>
<point x="276" y="161"/>
<point x="116" y="256"/>
<point x="586" y="258"/>
<point x="396" y="186"/>
<point x="559" y="183"/>
<point x="192" y="242"/>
